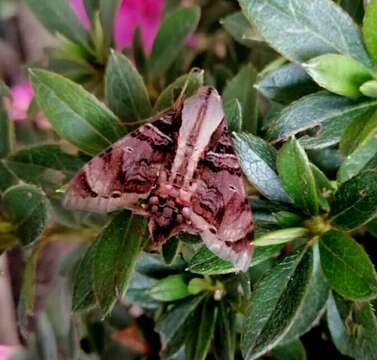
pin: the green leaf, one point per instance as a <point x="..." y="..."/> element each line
<point x="206" y="263"/>
<point x="280" y="236"/>
<point x="58" y="17"/>
<point x="76" y="115"/>
<point x="347" y="267"/>
<point x="233" y="115"/>
<point x="353" y="328"/>
<point x="309" y="29"/>
<point x="91" y="7"/>
<point x="173" y="326"/>
<point x="240" y="29"/>
<point x="224" y="342"/>
<point x="171" y="249"/>
<point x="257" y="160"/>
<point x="197" y="345"/>
<point x="369" y="29"/>
<point x="117" y="249"/>
<point x="325" y="188"/>
<point x="369" y="88"/>
<point x="314" y="302"/>
<point x="194" y="80"/>
<point x="339" y="74"/>
<point x="286" y="83"/>
<point x="276" y="300"/>
<point x="297" y="176"/>
<point x="287" y="219"/>
<point x="125" y="90"/>
<point x="355" y="202"/>
<point x="7" y="179"/>
<point x="83" y="296"/>
<point x="293" y="350"/>
<point x="171" y="37"/>
<point x="44" y="165"/>
<point x="171" y="288"/>
<point x="6" y="132"/>
<point x="330" y="113"/>
<point x="241" y="87"/>
<point x="108" y="11"/>
<point x="27" y="207"/>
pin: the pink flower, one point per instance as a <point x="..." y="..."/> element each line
<point x="6" y="352"/>
<point x="145" y="14"/>
<point x="79" y="9"/>
<point x="18" y="106"/>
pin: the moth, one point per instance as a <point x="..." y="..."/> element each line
<point x="181" y="171"/>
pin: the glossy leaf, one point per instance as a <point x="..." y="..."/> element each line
<point x="197" y="346"/>
<point x="240" y="29"/>
<point x="355" y="202"/>
<point x="276" y="301"/>
<point x="206" y="263"/>
<point x="297" y="176"/>
<point x="309" y="28"/>
<point x="138" y="292"/>
<point x="76" y="115"/>
<point x="58" y="17"/>
<point x="286" y="83"/>
<point x="241" y="87"/>
<point x="314" y="302"/>
<point x="280" y="236"/>
<point x="257" y="160"/>
<point x="83" y="294"/>
<point x="170" y="288"/>
<point x="117" y="249"/>
<point x="194" y="81"/>
<point x="369" y="88"/>
<point x="339" y="74"/>
<point x="233" y="115"/>
<point x="330" y="113"/>
<point x="369" y="29"/>
<point x="125" y="90"/>
<point x="27" y="208"/>
<point x="353" y="327"/>
<point x="347" y="267"/>
<point x="171" y="37"/>
<point x="171" y="249"/>
<point x="173" y="325"/>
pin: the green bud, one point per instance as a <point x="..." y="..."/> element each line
<point x="339" y="74"/>
<point x="171" y="288"/>
<point x="369" y="88"/>
<point x="197" y="286"/>
<point x="281" y="236"/>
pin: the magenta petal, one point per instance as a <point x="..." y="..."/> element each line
<point x="22" y="95"/>
<point x="79" y="9"/>
<point x="145" y="14"/>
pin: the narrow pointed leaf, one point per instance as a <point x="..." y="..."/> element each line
<point x="171" y="37"/>
<point x="369" y="29"/>
<point x="241" y="87"/>
<point x="125" y="90"/>
<point x="117" y="249"/>
<point x="108" y="11"/>
<point x="233" y="115"/>
<point x="297" y="176"/>
<point x="280" y="236"/>
<point x="276" y="301"/>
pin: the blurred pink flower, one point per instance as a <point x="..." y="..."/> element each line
<point x="79" y="9"/>
<point x="18" y="105"/>
<point x="6" y="352"/>
<point x="145" y="14"/>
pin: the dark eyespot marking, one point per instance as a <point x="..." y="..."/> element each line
<point x="128" y="149"/>
<point x="213" y="230"/>
<point x="232" y="188"/>
<point x="116" y="194"/>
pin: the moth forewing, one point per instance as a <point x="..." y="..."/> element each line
<point x="181" y="171"/>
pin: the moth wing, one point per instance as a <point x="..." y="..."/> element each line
<point x="220" y="209"/>
<point x="124" y="173"/>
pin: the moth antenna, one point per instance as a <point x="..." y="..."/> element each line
<point x="181" y="97"/>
